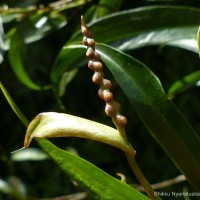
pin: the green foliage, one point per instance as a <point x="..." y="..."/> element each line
<point x="149" y="49"/>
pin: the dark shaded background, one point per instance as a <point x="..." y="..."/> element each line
<point x="43" y="179"/>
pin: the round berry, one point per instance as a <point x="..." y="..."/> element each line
<point x="121" y="120"/>
<point x="90" y="52"/>
<point x="109" y="110"/>
<point x="98" y="66"/>
<point x="107" y="84"/>
<point x="91" y="42"/>
<point x="91" y="64"/>
<point x="97" y="78"/>
<point x="108" y="96"/>
<point x="100" y="94"/>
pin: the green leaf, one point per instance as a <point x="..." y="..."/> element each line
<point x="65" y="80"/>
<point x="198" y="40"/>
<point x="96" y="182"/>
<point x="2" y="48"/>
<point x="36" y="26"/>
<point x="106" y="7"/>
<point x="51" y="124"/>
<point x="139" y="28"/>
<point x="177" y="26"/>
<point x="17" y="60"/>
<point x="183" y="84"/>
<point x="13" y="105"/>
<point x="165" y="123"/>
<point x="160" y="116"/>
<point x="59" y="68"/>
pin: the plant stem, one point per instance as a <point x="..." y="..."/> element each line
<point x="141" y="178"/>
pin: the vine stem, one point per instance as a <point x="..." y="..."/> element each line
<point x="140" y="177"/>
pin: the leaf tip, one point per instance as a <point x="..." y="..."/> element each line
<point x="18" y="150"/>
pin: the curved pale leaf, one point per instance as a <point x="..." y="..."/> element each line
<point x="173" y="23"/>
<point x="165" y="123"/>
<point x="51" y="124"/>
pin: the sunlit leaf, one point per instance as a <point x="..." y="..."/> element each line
<point x="51" y="124"/>
<point x="98" y="184"/>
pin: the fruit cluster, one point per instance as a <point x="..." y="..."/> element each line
<point x="112" y="107"/>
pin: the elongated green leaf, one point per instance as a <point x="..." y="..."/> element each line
<point x="60" y="66"/>
<point x="160" y="116"/>
<point x="183" y="84"/>
<point x="1" y="41"/>
<point x="139" y="27"/>
<point x="177" y="26"/>
<point x="198" y="40"/>
<point x="165" y="123"/>
<point x="106" y="7"/>
<point x="17" y="59"/>
<point x="95" y="181"/>
<point x="14" y="107"/>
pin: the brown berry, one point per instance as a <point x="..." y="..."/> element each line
<point x="108" y="96"/>
<point x="121" y="120"/>
<point x="107" y="84"/>
<point x="90" y="52"/>
<point x="97" y="66"/>
<point x="91" y="42"/>
<point x="85" y="42"/>
<point x="91" y="64"/>
<point x="100" y="94"/>
<point x="97" y="78"/>
<point x="109" y="110"/>
<point x="97" y="56"/>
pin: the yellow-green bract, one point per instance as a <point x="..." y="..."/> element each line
<point x="52" y="124"/>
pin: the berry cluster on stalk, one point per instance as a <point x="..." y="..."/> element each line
<point x="112" y="107"/>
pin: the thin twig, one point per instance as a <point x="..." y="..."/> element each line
<point x="163" y="184"/>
